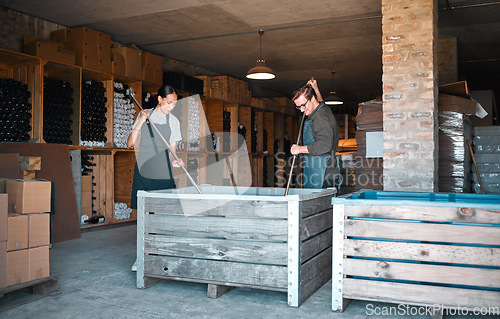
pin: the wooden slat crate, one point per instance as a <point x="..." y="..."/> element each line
<point x="417" y="249"/>
<point x="242" y="237"/>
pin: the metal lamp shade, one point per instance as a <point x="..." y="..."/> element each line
<point x="261" y="71"/>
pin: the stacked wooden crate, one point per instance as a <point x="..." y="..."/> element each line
<point x="369" y="171"/>
<point x="226" y="88"/>
<point x="438" y="250"/>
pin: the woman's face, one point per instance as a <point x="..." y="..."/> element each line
<point x="167" y="103"/>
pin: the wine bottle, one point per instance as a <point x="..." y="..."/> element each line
<point x="96" y="219"/>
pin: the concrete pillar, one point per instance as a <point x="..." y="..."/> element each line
<point x="410" y="95"/>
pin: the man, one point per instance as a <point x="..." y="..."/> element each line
<point x="320" y="138"/>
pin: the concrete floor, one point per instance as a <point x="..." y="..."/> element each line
<point x="96" y="282"/>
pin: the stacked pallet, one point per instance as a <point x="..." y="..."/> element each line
<point x="24" y="231"/>
<point x="487" y="155"/>
<point x="347" y="126"/>
<point x="369" y="171"/>
<point x="226" y="88"/>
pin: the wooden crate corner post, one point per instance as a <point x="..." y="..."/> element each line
<point x="338" y="303"/>
<point x="294" y="253"/>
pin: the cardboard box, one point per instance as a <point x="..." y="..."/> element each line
<point x="105" y="65"/>
<point x="3" y="188"/>
<point x="38" y="230"/>
<point x="17" y="232"/>
<point x="82" y="39"/>
<point x="148" y="74"/>
<point x="4" y="209"/>
<point x="50" y="50"/>
<point x="118" y="65"/>
<point x="133" y="61"/>
<point x="104" y="45"/>
<point x="158" y="77"/>
<point x="86" y="183"/>
<point x="87" y="203"/>
<point x="17" y="267"/>
<point x="59" y="36"/>
<point x="151" y="60"/>
<point x="3" y="264"/>
<point x="39" y="265"/>
<point x="29" y="196"/>
<point x="87" y="60"/>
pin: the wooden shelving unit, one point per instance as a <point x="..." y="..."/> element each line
<point x="113" y="172"/>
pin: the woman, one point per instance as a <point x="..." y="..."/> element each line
<point x="153" y="169"/>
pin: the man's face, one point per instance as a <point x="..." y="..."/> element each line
<point x="304" y="105"/>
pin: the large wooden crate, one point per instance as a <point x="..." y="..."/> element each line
<point x="417" y="248"/>
<point x="239" y="237"/>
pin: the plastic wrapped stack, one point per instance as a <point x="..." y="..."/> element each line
<point x="123" y="115"/>
<point x="487" y="155"/>
<point x="454" y="157"/>
<point x="122" y="211"/>
<point x="193" y="125"/>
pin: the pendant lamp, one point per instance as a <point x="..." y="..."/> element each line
<point x="333" y="99"/>
<point x="261" y="71"/>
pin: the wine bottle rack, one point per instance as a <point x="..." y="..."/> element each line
<point x="123" y="115"/>
<point x="57" y="111"/>
<point x="115" y="164"/>
<point x="15" y="110"/>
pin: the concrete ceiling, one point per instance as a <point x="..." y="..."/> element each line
<point x="303" y="39"/>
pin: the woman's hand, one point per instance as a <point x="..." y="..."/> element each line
<point x="178" y="163"/>
<point x="144" y="116"/>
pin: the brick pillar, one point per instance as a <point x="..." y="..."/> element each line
<point x="410" y="97"/>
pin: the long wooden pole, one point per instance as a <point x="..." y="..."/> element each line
<point x="168" y="145"/>
<point x="475" y="166"/>
<point x="295" y="156"/>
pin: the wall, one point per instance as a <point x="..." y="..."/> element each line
<point x="409" y="44"/>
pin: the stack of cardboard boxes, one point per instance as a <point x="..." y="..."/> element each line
<point x="24" y="231"/>
<point x="92" y="48"/>
<point x="132" y="63"/>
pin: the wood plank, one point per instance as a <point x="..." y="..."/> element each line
<point x="316" y="205"/>
<point x="215" y="291"/>
<point x="315" y="273"/>
<point x="309" y="288"/>
<point x="453" y="275"/>
<point x="218" y="227"/>
<point x="419" y="295"/>
<point x="316" y="224"/>
<point x="423" y="252"/>
<point x="109" y="199"/>
<point x="30" y="163"/>
<point x="216" y="207"/>
<point x="311" y="268"/>
<point x="217" y="271"/>
<point x="440" y="214"/>
<point x="217" y="249"/>
<point x="29" y="175"/>
<point x="314" y="245"/>
<point x="423" y="231"/>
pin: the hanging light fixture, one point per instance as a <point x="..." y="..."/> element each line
<point x="333" y="99"/>
<point x="261" y="71"/>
